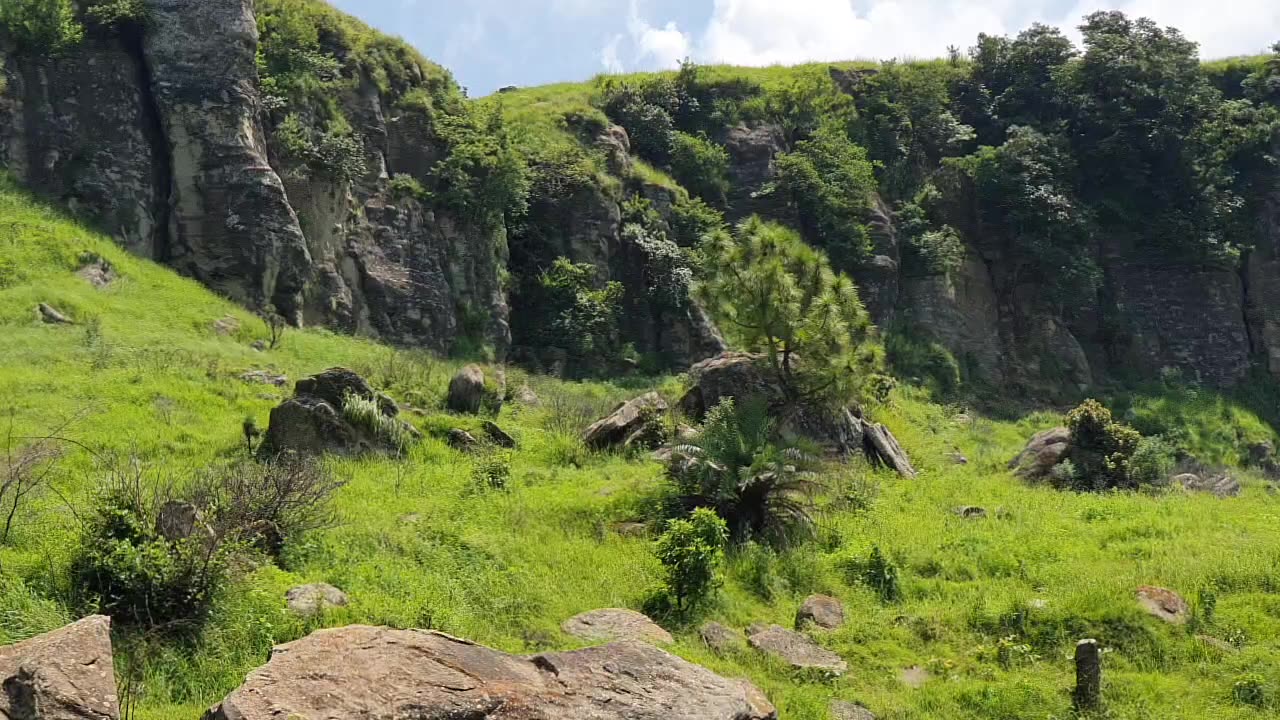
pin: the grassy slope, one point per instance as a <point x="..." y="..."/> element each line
<point x="420" y="547"/>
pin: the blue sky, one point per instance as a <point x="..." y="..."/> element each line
<point x="492" y="43"/>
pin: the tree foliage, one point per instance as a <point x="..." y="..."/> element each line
<point x="577" y="315"/>
<point x="777" y="296"/>
<point x="691" y="550"/>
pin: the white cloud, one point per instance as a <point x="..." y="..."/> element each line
<point x="765" y="32"/>
<point x="610" y="56"/>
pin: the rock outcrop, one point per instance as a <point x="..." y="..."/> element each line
<point x="313" y="421"/>
<point x="466" y="390"/>
<point x="1164" y="604"/>
<point x="384" y="674"/>
<point x="624" y="422"/>
<point x="1044" y="451"/>
<point x="822" y="611"/>
<point x="67" y="674"/>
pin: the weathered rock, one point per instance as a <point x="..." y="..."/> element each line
<point x="525" y="395"/>
<point x="315" y="599"/>
<point x="466" y="390"/>
<point x="721" y="638"/>
<point x="961" y="311"/>
<point x="1164" y="604"/>
<point x="616" y="144"/>
<point x="497" y="435"/>
<point x="795" y="649"/>
<point x="1087" y="696"/>
<point x="1044" y="451"/>
<point x="1219" y="484"/>
<point x="615" y="624"/>
<point x="461" y="439"/>
<point x="264" y="377"/>
<point x="232" y="225"/>
<point x="67" y="674"/>
<point x="744" y="378"/>
<point x="823" y="611"/>
<point x="97" y="272"/>
<point x="753" y="152"/>
<point x="383" y="674"/>
<point x="226" y="326"/>
<point x="179" y="521"/>
<point x="312" y="421"/>
<point x="957" y="458"/>
<point x="971" y="512"/>
<point x="51" y="316"/>
<point x="842" y="710"/>
<point x="614" y="430"/>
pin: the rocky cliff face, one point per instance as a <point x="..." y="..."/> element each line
<point x="160" y="136"/>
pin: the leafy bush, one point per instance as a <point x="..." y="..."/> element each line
<point x="577" y="316"/>
<point x="881" y="575"/>
<point x="701" y="166"/>
<point x="692" y="220"/>
<point x="491" y="471"/>
<point x="916" y="358"/>
<point x="831" y="183"/>
<point x="42" y="26"/>
<point x="126" y="569"/>
<point x="782" y="299"/>
<point x="690" y="551"/>
<point x="1250" y="690"/>
<point x="1101" y="448"/>
<point x="482" y="177"/>
<point x="407" y="186"/>
<point x="115" y="13"/>
<point x="761" y="490"/>
<point x="668" y="275"/>
<point x="649" y="125"/>
<point x="1152" y="462"/>
<point x="335" y="152"/>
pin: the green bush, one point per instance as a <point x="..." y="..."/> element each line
<point x="917" y="359"/>
<point x="882" y="575"/>
<point x="831" y="183"/>
<point x="701" y="166"/>
<point x="407" y="187"/>
<point x="42" y="26"/>
<point x="691" y="551"/>
<point x="761" y="490"/>
<point x="1250" y="690"/>
<point x="1152" y="462"/>
<point x="1101" y="448"/>
<point x="576" y="315"/>
<point x="648" y="124"/>
<point x="115" y="13"/>
<point x="692" y="220"/>
<point x="124" y="568"/>
<point x="491" y="471"/>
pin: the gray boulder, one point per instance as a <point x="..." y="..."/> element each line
<point x="1218" y="484"/>
<point x="51" y="316"/>
<point x="381" y="674"/>
<point x="1164" y="604"/>
<point x="615" y="624"/>
<point x="720" y="638"/>
<point x="313" y="422"/>
<point x="67" y="674"/>
<point x="823" y="611"/>
<point x="795" y="649"/>
<point x="312" y="600"/>
<point x="1044" y="451"/>
<point x="614" y="430"/>
<point x="466" y="390"/>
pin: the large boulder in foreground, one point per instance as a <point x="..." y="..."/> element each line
<point x="383" y="674"/>
<point x="466" y="390"/>
<point x="625" y="421"/>
<point x="67" y="674"/>
<point x="313" y="422"/>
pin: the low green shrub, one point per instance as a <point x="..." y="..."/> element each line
<point x="1152" y="462"/>
<point x="691" y="552"/>
<point x="492" y="471"/>
<point x="882" y="575"/>
<point x="1101" y="447"/>
<point x="126" y="569"/>
<point x="701" y="166"/>
<point x="366" y="413"/>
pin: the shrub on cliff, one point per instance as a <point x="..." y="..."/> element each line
<point x="41" y="26"/>
<point x="577" y="315"/>
<point x="701" y="166"/>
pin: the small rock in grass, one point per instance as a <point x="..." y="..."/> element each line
<point x="795" y="649"/>
<point x="227" y="326"/>
<point x="822" y="610"/>
<point x="312" y="600"/>
<point x="915" y="677"/>
<point x="842" y="710"/>
<point x="971" y="512"/>
<point x="721" y="638"/>
<point x="615" y="624"/>
<point x="497" y="435"/>
<point x="265" y="377"/>
<point x="1164" y="604"/>
<point x="51" y="316"/>
<point x="461" y="439"/>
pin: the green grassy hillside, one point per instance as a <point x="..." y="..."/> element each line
<point x="990" y="607"/>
